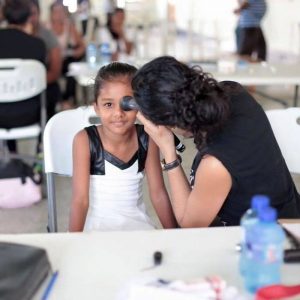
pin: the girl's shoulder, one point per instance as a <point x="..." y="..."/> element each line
<point x="81" y="136"/>
<point x="81" y="140"/>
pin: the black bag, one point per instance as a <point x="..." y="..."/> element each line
<point x="23" y="268"/>
<point x="20" y="186"/>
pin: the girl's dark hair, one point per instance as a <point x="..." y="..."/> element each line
<point x="112" y="72"/>
<point x="173" y="94"/>
<point x="17" y="11"/>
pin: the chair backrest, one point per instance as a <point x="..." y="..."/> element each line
<point x="58" y="138"/>
<point x="286" y="127"/>
<point x="21" y="79"/>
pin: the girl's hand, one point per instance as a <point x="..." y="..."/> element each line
<point x="161" y="135"/>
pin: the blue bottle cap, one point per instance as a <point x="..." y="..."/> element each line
<point x="260" y="201"/>
<point x="268" y="214"/>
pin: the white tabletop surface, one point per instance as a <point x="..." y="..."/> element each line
<point x="262" y="74"/>
<point x="246" y="74"/>
<point x="98" y="265"/>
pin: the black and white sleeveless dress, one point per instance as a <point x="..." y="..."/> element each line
<point x="115" y="192"/>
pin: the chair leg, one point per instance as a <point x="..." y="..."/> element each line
<point x="52" y="216"/>
<point x="296" y="95"/>
<point x="43" y="111"/>
<point x="5" y="155"/>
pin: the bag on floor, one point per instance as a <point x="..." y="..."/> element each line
<point x="23" y="269"/>
<point x="20" y="186"/>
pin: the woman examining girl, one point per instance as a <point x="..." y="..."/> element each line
<point x="109" y="162"/>
<point x="238" y="156"/>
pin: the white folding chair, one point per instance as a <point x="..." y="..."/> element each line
<point x="21" y="79"/>
<point x="58" y="139"/>
<point x="285" y="124"/>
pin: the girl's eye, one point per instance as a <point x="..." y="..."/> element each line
<point x="108" y="104"/>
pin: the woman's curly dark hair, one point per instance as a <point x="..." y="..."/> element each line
<point x="171" y="93"/>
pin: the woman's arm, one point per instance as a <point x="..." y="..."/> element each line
<point x="199" y="206"/>
<point x="157" y="189"/>
<point x="80" y="181"/>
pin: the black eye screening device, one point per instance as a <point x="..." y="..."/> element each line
<point x="128" y="103"/>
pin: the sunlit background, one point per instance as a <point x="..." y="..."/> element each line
<point x="199" y="29"/>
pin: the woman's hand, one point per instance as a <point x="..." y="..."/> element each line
<point x="162" y="136"/>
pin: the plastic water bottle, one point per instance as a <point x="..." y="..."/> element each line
<point x="105" y="54"/>
<point x="248" y="220"/>
<point x="91" y="54"/>
<point x="266" y="241"/>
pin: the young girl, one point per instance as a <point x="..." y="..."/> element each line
<point x="109" y="162"/>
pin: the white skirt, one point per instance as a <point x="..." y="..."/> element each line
<point x="114" y="220"/>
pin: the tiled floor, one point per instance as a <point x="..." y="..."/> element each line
<point x="34" y="218"/>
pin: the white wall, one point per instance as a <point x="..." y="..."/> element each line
<point x="281" y="25"/>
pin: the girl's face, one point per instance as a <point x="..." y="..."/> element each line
<point x="113" y="118"/>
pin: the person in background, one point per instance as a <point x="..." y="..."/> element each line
<point x="2" y="19"/>
<point x="18" y="42"/>
<point x="72" y="46"/>
<point x="238" y="155"/>
<point x="250" y="38"/>
<point x="108" y="7"/>
<point x="53" y="59"/>
<point x="237" y="30"/>
<point x="109" y="162"/>
<point x="87" y="23"/>
<point x="122" y="46"/>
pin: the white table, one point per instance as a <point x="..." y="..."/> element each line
<point x="246" y="74"/>
<point x="265" y="74"/>
<point x="98" y="265"/>
<point x="85" y="74"/>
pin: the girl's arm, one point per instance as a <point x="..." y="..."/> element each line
<point x="157" y="189"/>
<point x="199" y="206"/>
<point x="80" y="181"/>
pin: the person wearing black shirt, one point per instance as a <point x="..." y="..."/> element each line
<point x="53" y="59"/>
<point x="19" y="43"/>
<point x="115" y="26"/>
<point x="238" y="156"/>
